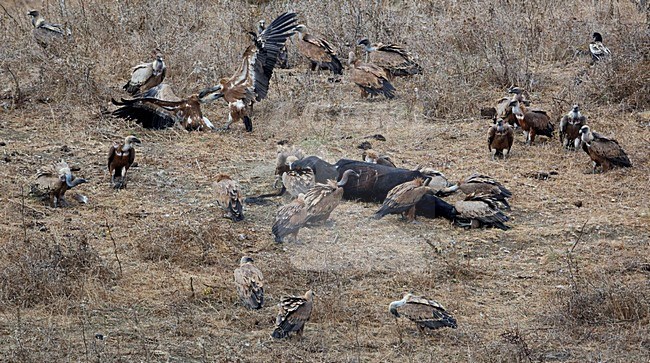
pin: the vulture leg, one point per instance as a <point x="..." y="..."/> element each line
<point x="314" y="65"/>
<point x="576" y="143"/>
<point x="531" y="135"/>
<point x="230" y="121"/>
<point x="53" y="201"/>
<point x="410" y="215"/>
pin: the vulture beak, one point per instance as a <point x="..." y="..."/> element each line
<point x="136" y="140"/>
<point x="210" y="94"/>
<point x="576" y="108"/>
<point x="363" y="41"/>
<point x="33" y="13"/>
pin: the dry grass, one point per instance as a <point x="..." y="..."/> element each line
<point x="150" y="267"/>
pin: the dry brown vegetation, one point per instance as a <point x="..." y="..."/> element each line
<point x="145" y="274"/>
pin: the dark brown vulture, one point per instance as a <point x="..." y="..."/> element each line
<point x="533" y="122"/>
<point x="479" y="210"/>
<point x="483" y="185"/>
<point x="500" y="137"/>
<point x="250" y="83"/>
<point x="293" y="313"/>
<point x="53" y="184"/>
<point x="598" y="50"/>
<point x="322" y="199"/>
<point x="603" y="151"/>
<point x="570" y="126"/>
<point x="297" y="180"/>
<point x="120" y="158"/>
<point x="159" y="108"/>
<point x="393" y="58"/>
<point x="229" y="197"/>
<point x="423" y="312"/>
<point x="319" y="51"/>
<point x="46" y="33"/>
<point x="250" y="284"/>
<point x="146" y="75"/>
<point x="403" y="198"/>
<point x="371" y="79"/>
<point x="289" y="219"/>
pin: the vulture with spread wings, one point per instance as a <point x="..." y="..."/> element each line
<point x="251" y="81"/>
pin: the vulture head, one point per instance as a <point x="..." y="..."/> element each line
<point x="290" y="160"/>
<point x="129" y="141"/>
<point x="597" y="37"/>
<point x="585" y="135"/>
<point x="371" y="156"/>
<point x="366" y="44"/>
<point x="212" y="93"/>
<point x="300" y="28"/>
<point x="71" y="181"/>
<point x="516" y="110"/>
<point x="575" y="112"/>
<point x="515" y="90"/>
<point x="261" y="25"/>
<point x="392" y="308"/>
<point x="36" y="18"/>
<point x="245" y="259"/>
<point x="500" y="128"/>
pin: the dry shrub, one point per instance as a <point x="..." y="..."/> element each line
<point x="40" y="271"/>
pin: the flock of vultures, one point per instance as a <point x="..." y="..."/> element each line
<point x="316" y="186"/>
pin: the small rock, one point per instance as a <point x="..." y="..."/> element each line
<point x="2" y="143"/>
<point x="578" y="203"/>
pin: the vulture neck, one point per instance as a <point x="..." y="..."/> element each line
<point x="37" y="21"/>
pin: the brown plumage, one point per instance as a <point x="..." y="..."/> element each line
<point x="289" y="219"/>
<point x="500" y="137"/>
<point x="281" y="164"/>
<point x="371" y="79"/>
<point x="53" y="184"/>
<point x="533" y="122"/>
<point x="120" y="159"/>
<point x="393" y="58"/>
<point x="159" y="108"/>
<point x="570" y="126"/>
<point x="403" y="198"/>
<point x="250" y="284"/>
<point x="322" y="199"/>
<point x="293" y="313"/>
<point x="504" y="110"/>
<point x="229" y="197"/>
<point x="423" y="312"/>
<point x="486" y="186"/>
<point x="146" y="75"/>
<point x="320" y="52"/>
<point x="250" y="83"/>
<point x="46" y="33"/>
<point x="371" y="156"/>
<point x="479" y="210"/>
<point x="297" y="180"/>
<point x="603" y="151"/>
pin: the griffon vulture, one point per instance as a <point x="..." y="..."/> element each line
<point x="293" y="313"/>
<point x="570" y="126"/>
<point x="479" y="210"/>
<point x="371" y="79"/>
<point x="533" y="122"/>
<point x="319" y="51"/>
<point x="500" y="137"/>
<point x="289" y="219"/>
<point x="159" y="108"/>
<point x="251" y="81"/>
<point x="120" y="158"/>
<point x="297" y="180"/>
<point x="598" y="50"/>
<point x="504" y="110"/>
<point x="146" y="75"/>
<point x="393" y="58"/>
<point x="603" y="151"/>
<point x="54" y="183"/>
<point x="250" y="284"/>
<point x="483" y="185"/>
<point x="403" y="198"/>
<point x="46" y="33"/>
<point x="322" y="199"/>
<point x="423" y="312"/>
<point x="229" y="197"/>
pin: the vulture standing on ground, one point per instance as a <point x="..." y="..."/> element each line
<point x="289" y="219"/>
<point x="603" y="151"/>
<point x="251" y="81"/>
<point x="598" y="50"/>
<point x="533" y="122"/>
<point x="403" y="198"/>
<point x="570" y="126"/>
<point x="294" y="312"/>
<point x="120" y="158"/>
<point x="250" y="284"/>
<point x="159" y="108"/>
<point x="479" y="210"/>
<point x="281" y="164"/>
<point x="46" y="33"/>
<point x="371" y="79"/>
<point x="393" y="58"/>
<point x="319" y="51"/>
<point x="504" y="110"/>
<point x="322" y="199"/>
<point x="500" y="137"/>
<point x="53" y="184"/>
<point x="483" y="185"/>
<point x="146" y="75"/>
<point x="229" y="197"/>
<point x="297" y="180"/>
<point x="423" y="312"/>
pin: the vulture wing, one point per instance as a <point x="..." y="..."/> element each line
<point x="610" y="150"/>
<point x="229" y="198"/>
<point x="152" y="113"/>
<point x="427" y="313"/>
<point x="139" y="76"/>
<point x="250" y="286"/>
<point x="298" y="181"/>
<point x="395" y="59"/>
<point x="482" y="210"/>
<point x="321" y="200"/>
<point x="293" y="313"/>
<point x="492" y="131"/>
<point x="111" y="154"/>
<point x="401" y="198"/>
<point x="289" y="219"/>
